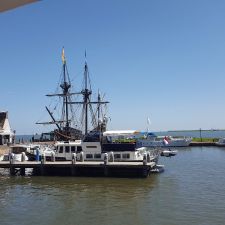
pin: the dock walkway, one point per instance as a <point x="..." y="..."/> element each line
<point x="85" y="168"/>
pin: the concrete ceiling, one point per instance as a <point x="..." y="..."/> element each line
<point x="11" y="4"/>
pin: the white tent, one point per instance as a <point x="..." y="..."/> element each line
<point x="121" y="133"/>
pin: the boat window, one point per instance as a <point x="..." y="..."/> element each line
<point x="67" y="150"/>
<point x="117" y="156"/>
<point x="73" y="149"/>
<point x="126" y="156"/>
<point x="91" y="146"/>
<point x="61" y="149"/>
<point x="79" y="149"/>
<point x="89" y="156"/>
<point x="97" y="156"/>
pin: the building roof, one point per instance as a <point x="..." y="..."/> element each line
<point x="3" y="116"/>
<point x="4" y="124"/>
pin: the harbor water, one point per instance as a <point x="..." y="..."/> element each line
<point x="191" y="190"/>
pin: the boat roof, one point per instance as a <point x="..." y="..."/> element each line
<point x="120" y="132"/>
<point x="68" y="143"/>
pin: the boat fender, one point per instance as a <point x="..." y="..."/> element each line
<point x="145" y="159"/>
<point x="74" y="158"/>
<point x="53" y="156"/>
<point x="23" y="157"/>
<point x="111" y="157"/>
<point x="148" y="157"/>
<point x="43" y="159"/>
<point x="82" y="156"/>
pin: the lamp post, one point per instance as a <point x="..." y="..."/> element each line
<point x="200" y="130"/>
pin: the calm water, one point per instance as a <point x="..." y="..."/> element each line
<point x="190" y="191"/>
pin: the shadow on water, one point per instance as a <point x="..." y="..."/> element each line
<point x="72" y="185"/>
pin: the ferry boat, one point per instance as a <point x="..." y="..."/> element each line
<point x="152" y="140"/>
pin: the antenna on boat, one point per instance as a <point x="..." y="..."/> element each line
<point x="148" y="124"/>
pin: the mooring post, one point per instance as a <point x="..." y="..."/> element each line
<point x="145" y="171"/>
<point x="74" y="158"/>
<point x="111" y="157"/>
<point x="22" y="171"/>
<point x="73" y="169"/>
<point x="43" y="160"/>
<point x="53" y="156"/>
<point x="106" y="159"/>
<point x="11" y="161"/>
<point x="23" y="159"/>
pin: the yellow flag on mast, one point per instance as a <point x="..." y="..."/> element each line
<point x="63" y="56"/>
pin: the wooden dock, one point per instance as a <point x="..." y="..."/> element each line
<point x="85" y="168"/>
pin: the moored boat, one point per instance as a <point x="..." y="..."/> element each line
<point x="95" y="146"/>
<point x="152" y="140"/>
<point x="221" y="142"/>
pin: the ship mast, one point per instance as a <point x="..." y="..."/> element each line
<point x="64" y="124"/>
<point x="65" y="87"/>
<point x="87" y="103"/>
<point x="86" y="97"/>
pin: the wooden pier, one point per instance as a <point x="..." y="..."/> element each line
<point x="85" y="168"/>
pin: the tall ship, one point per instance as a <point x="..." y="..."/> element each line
<point x="68" y="126"/>
<point x="65" y="126"/>
<point x="92" y="142"/>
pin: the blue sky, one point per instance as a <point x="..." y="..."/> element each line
<point x="152" y="58"/>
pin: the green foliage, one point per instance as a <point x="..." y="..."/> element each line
<point x="205" y="139"/>
<point x="125" y="140"/>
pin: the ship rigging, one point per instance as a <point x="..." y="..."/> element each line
<point x="89" y="115"/>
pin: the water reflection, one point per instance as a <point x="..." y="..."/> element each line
<point x="190" y="191"/>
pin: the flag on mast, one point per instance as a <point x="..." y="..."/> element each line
<point x="165" y="140"/>
<point x="63" y="56"/>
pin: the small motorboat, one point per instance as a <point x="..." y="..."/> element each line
<point x="221" y="142"/>
<point x="168" y="153"/>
